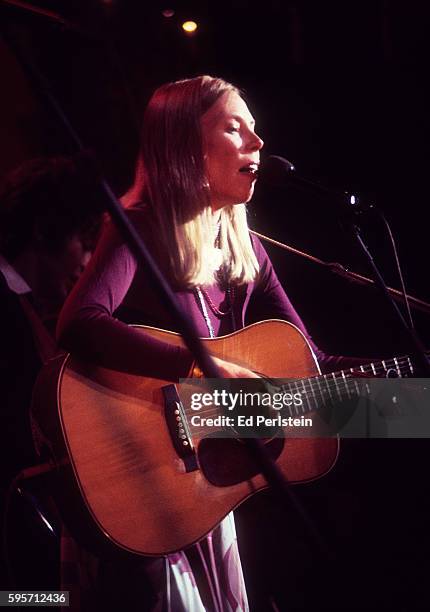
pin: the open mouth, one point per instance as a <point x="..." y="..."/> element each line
<point x="251" y="169"/>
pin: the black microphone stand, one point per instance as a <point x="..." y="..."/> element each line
<point x="268" y="468"/>
<point x="351" y="211"/>
<point x="340" y="270"/>
<point x="412" y="340"/>
<point x="354" y="210"/>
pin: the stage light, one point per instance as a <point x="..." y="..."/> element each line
<point x="168" y="12"/>
<point x="189" y="27"/>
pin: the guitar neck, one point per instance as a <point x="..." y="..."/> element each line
<point x="344" y="384"/>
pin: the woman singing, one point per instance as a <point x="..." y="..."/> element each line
<point x="197" y="167"/>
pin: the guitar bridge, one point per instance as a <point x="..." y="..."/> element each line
<point x="178" y="427"/>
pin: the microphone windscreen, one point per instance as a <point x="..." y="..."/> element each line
<point x="274" y="170"/>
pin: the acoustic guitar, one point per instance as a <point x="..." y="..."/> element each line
<point x="131" y="471"/>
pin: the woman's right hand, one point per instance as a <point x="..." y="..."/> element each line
<point x="232" y="370"/>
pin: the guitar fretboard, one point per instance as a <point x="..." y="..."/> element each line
<point x="344" y="384"/>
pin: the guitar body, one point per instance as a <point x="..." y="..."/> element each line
<point x="125" y="482"/>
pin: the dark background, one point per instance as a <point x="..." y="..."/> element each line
<point x="340" y="89"/>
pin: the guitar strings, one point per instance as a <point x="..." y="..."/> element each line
<point x="339" y="383"/>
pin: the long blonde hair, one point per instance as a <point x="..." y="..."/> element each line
<point x="170" y="179"/>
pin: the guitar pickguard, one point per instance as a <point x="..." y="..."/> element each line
<point x="227" y="461"/>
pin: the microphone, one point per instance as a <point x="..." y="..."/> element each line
<point x="280" y="172"/>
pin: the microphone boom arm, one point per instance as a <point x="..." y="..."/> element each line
<point x="340" y="270"/>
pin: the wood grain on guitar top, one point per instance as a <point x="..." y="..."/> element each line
<point x="130" y="478"/>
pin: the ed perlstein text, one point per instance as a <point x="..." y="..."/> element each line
<point x="229" y="401"/>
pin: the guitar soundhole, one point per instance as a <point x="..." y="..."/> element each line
<point x="227" y="461"/>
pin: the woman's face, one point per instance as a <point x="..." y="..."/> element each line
<point x="231" y="149"/>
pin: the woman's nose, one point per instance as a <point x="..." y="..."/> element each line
<point x="256" y="143"/>
<point x="260" y="142"/>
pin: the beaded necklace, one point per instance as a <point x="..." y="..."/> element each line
<point x="203" y="296"/>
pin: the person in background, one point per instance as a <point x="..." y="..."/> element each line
<point x="50" y="216"/>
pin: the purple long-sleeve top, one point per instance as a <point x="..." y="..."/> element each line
<point x="115" y="291"/>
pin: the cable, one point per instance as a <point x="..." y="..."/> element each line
<point x="399" y="269"/>
<point x="26" y="474"/>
